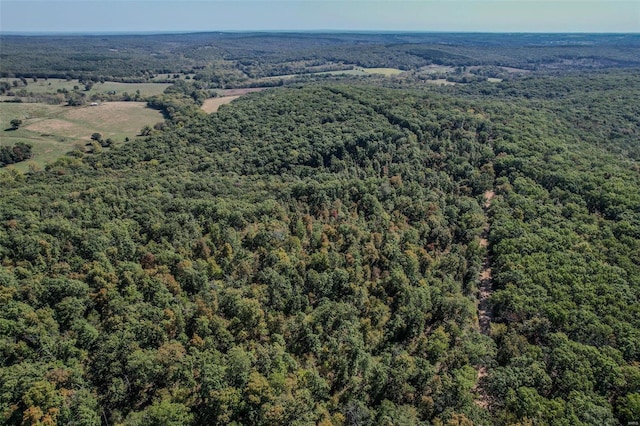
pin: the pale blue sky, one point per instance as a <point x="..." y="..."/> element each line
<point x="352" y="15"/>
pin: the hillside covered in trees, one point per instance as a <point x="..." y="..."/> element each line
<point x="313" y="255"/>
<point x="238" y="59"/>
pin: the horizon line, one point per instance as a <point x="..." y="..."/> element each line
<point x="303" y="31"/>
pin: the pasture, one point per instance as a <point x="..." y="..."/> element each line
<point x="212" y="104"/>
<point x="226" y="96"/>
<point x="384" y="71"/>
<point x="441" y="82"/>
<point x="387" y="72"/>
<point x="437" y="69"/>
<point x="54" y="130"/>
<point x="52" y="85"/>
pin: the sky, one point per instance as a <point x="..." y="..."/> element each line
<point x="134" y="16"/>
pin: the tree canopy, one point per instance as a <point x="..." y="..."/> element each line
<point x="312" y="255"/>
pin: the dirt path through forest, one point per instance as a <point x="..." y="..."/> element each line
<point x="484" y="310"/>
<point x="484" y="313"/>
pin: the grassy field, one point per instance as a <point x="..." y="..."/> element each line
<point x="54" y="130"/>
<point x="367" y="71"/>
<point x="437" y="69"/>
<point x="387" y="72"/>
<point x="384" y="71"/>
<point x="52" y="85"/>
<point x="226" y="96"/>
<point x="212" y="104"/>
<point x="441" y="82"/>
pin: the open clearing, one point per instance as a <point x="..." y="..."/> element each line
<point x="437" y="69"/>
<point x="387" y="72"/>
<point x="234" y="92"/>
<point x="383" y="71"/>
<point x="52" y="85"/>
<point x="212" y="104"/>
<point x="516" y="70"/>
<point x="441" y="82"/>
<point x="54" y="130"/>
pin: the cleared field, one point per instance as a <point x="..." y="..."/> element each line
<point x="212" y="104"/>
<point x="367" y="71"/>
<point x="441" y="82"/>
<point x="227" y="95"/>
<point x="146" y="89"/>
<point x="52" y="85"/>
<point x="435" y="69"/>
<point x="384" y="71"/>
<point x="516" y="70"/>
<point x="387" y="72"/>
<point x="54" y="130"/>
<point x="233" y="92"/>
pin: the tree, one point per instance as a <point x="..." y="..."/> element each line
<point x="15" y="123"/>
<point x="19" y="152"/>
<point x="162" y="413"/>
<point x="146" y="131"/>
<point x="76" y="99"/>
<point x="96" y="137"/>
<point x="629" y="408"/>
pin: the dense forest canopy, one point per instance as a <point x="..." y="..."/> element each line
<point x="315" y="254"/>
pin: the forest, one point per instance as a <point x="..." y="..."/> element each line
<point x="232" y="59"/>
<point x="14" y="154"/>
<point x="318" y="253"/>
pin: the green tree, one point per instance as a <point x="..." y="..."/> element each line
<point x="629" y="408"/>
<point x="163" y="413"/>
<point x="15" y="124"/>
